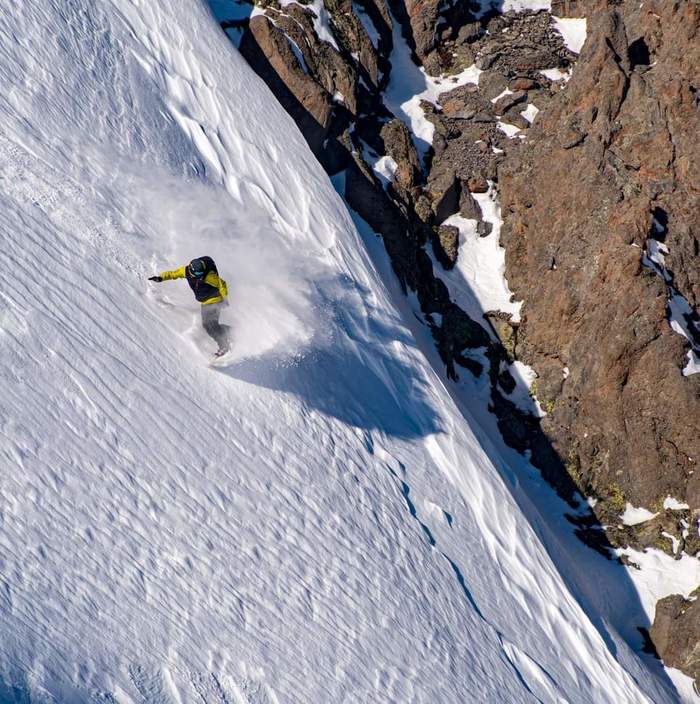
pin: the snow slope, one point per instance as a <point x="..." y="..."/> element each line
<point x="315" y="522"/>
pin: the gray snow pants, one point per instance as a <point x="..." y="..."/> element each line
<point x="210" y="322"/>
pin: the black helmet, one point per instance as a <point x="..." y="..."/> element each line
<point x="197" y="268"/>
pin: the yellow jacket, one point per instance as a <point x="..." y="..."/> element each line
<point x="211" y="289"/>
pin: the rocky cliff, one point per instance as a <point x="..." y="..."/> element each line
<point x="602" y="230"/>
<point x="595" y="160"/>
<point x="601" y="235"/>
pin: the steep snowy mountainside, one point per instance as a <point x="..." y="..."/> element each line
<point x="315" y="522"/>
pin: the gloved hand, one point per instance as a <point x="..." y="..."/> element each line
<point x="155" y="278"/>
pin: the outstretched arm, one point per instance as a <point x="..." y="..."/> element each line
<point x="168" y="275"/>
<point x="175" y="274"/>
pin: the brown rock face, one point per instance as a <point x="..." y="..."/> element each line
<point x="423" y="16"/>
<point x="676" y="634"/>
<point x="268" y="51"/>
<point x="614" y="150"/>
<point x="321" y="87"/>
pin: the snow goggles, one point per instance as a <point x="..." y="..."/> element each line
<point x="197" y="268"/>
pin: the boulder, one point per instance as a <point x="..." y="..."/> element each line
<point x="446" y="245"/>
<point x="524" y="84"/>
<point x="484" y="229"/>
<point x="502" y="105"/>
<point x="469" y="33"/>
<point x="399" y="145"/>
<point x="465" y="102"/>
<point x="492" y="84"/>
<point x="676" y="633"/>
<point x="477" y="184"/>
<point x="468" y="207"/>
<point x="445" y="192"/>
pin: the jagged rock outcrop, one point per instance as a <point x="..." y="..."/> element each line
<point x="614" y="150"/>
<point x="424" y="16"/>
<point x="609" y="175"/>
<point x="397" y="143"/>
<point x="446" y="245"/>
<point x="676" y="633"/>
<point x="469" y="143"/>
<point x="323" y="87"/>
<point x="591" y="132"/>
<point x="269" y="52"/>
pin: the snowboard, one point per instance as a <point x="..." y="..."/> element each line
<point x="221" y="360"/>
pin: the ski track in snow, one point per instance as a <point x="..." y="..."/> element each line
<point x="257" y="534"/>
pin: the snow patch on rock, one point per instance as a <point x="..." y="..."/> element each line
<point x="522" y="396"/>
<point x="661" y="575"/>
<point x="681" y="316"/>
<point x="384" y="167"/>
<point x="530" y="113"/>
<point x="477" y="283"/>
<point x="573" y="31"/>
<point x="556" y="74"/>
<point x="322" y="20"/>
<point x="511" y="131"/>
<point x="526" y="5"/>
<point x="671" y="504"/>
<point x="367" y="23"/>
<point x="502" y="94"/>
<point x="409" y="85"/>
<point x="634" y="516"/>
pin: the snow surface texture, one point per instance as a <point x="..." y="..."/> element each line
<point x="316" y="522"/>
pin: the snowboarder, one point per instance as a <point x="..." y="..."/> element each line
<point x="210" y="290"/>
